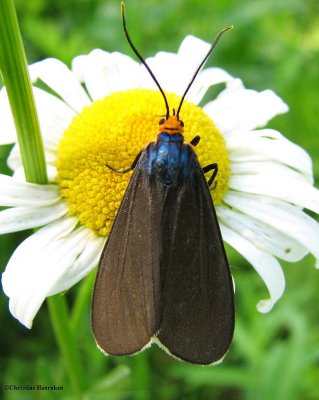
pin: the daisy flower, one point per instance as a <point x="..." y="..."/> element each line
<point x="104" y="110"/>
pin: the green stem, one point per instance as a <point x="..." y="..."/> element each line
<point x="14" y="70"/>
<point x="13" y="67"/>
<point x="60" y="321"/>
<point x="82" y="300"/>
<point x="141" y="377"/>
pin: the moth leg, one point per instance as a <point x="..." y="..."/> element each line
<point x="195" y="140"/>
<point x="124" y="171"/>
<point x="211" y="167"/>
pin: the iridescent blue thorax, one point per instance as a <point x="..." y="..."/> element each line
<point x="168" y="160"/>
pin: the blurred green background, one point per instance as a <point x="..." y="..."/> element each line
<point x="273" y="357"/>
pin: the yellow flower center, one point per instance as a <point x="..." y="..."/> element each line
<point x="112" y="131"/>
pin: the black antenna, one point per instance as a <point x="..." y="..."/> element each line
<point x="201" y="64"/>
<point x="141" y="58"/>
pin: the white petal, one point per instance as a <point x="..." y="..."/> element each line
<point x="265" y="144"/>
<point x="265" y="264"/>
<point x="23" y="194"/>
<point x="21" y="218"/>
<point x="239" y="109"/>
<point x="23" y="265"/>
<point x="14" y="160"/>
<point x="54" y="117"/>
<point x="82" y="265"/>
<point x="62" y="81"/>
<point x="191" y="53"/>
<point x="7" y="127"/>
<point x="52" y="173"/>
<point x="260" y="235"/>
<point x="104" y="73"/>
<point x="38" y="264"/>
<point x="174" y="71"/>
<point x="204" y="80"/>
<point x="169" y="72"/>
<point x="279" y="215"/>
<point x="274" y="180"/>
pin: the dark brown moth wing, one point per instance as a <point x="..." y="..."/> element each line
<point x="197" y="290"/>
<point x="126" y="296"/>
